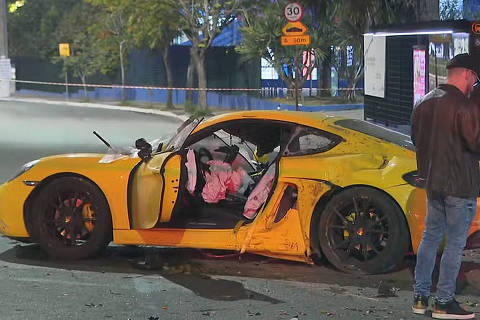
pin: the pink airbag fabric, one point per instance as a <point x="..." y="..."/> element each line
<point x="259" y="194"/>
<point x="220" y="180"/>
<point x="191" y="171"/>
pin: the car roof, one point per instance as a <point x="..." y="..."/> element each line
<point x="317" y="120"/>
<point x="313" y="119"/>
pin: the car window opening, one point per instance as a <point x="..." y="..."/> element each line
<point x="288" y="201"/>
<point x="229" y="175"/>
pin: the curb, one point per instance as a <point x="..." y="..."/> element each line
<point x="99" y="106"/>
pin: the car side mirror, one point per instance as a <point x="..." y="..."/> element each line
<point x="145" y="148"/>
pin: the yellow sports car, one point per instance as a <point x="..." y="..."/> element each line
<point x="291" y="185"/>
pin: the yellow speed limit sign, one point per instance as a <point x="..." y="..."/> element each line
<point x="64" y="49"/>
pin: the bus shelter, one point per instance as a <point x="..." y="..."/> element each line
<point x="403" y="63"/>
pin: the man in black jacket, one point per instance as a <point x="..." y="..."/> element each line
<point x="446" y="134"/>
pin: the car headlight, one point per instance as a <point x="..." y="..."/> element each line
<point x="24" y="169"/>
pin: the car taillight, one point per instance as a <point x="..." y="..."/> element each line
<point x="413" y="179"/>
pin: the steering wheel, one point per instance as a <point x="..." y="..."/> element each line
<point x="204" y="155"/>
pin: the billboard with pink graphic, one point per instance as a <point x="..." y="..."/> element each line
<point x="419" y="68"/>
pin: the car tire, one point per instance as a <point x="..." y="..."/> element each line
<point x="71" y="219"/>
<point x="363" y="231"/>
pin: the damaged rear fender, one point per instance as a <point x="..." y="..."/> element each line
<point x="316" y="252"/>
<point x="290" y="234"/>
<point x="313" y="195"/>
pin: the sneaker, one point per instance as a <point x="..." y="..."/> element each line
<point x="450" y="310"/>
<point x="420" y="304"/>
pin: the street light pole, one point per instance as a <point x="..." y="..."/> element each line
<point x="5" y="66"/>
<point x="3" y="30"/>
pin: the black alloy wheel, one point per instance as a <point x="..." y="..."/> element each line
<point x="362" y="230"/>
<point x="72" y="219"/>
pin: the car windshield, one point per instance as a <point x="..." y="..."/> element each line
<point x="379" y="132"/>
<point x="177" y="141"/>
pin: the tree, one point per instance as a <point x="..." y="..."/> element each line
<point x="326" y="12"/>
<point x="86" y="59"/>
<point x="156" y="24"/>
<point x="351" y="49"/>
<point x="202" y="21"/>
<point x="357" y="17"/>
<point x="261" y="38"/>
<point x="426" y="10"/>
<point x="115" y="38"/>
<point x="375" y="13"/>
<point x="449" y="10"/>
<point x="32" y="28"/>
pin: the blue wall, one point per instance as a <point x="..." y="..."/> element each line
<point x="471" y="9"/>
<point x="240" y="101"/>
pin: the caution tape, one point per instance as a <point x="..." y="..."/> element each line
<point x="116" y="86"/>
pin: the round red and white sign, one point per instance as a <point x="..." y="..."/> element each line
<point x="293" y="11"/>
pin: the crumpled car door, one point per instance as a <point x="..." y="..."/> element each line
<point x="154" y="190"/>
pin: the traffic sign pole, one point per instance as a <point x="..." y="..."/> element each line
<point x="296" y="84"/>
<point x="293" y="35"/>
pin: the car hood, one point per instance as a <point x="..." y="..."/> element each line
<point x="84" y="164"/>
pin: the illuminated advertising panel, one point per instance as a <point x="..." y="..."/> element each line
<point x="419" y="85"/>
<point x="374" y="49"/>
<point x="460" y="43"/>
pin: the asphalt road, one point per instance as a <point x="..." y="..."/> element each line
<point x="32" y="130"/>
<point x="158" y="283"/>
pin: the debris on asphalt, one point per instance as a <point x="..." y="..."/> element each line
<point x="337" y="290"/>
<point x="114" y="293"/>
<point x="153" y="318"/>
<point x="327" y="313"/>
<point x="93" y="305"/>
<point x="251" y="314"/>
<point x="170" y="264"/>
<point x="471" y="304"/>
<point x="386" y="289"/>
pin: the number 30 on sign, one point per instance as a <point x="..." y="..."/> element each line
<point x="293" y="11"/>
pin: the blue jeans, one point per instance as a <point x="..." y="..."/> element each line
<point x="452" y="217"/>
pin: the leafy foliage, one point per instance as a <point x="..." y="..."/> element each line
<point x="202" y="21"/>
<point x="101" y="32"/>
<point x="32" y="28"/>
<point x="449" y="10"/>
<point x="86" y="58"/>
<point x="115" y="40"/>
<point x="155" y="24"/>
<point x="261" y="38"/>
<point x="336" y="24"/>
<point x="356" y="18"/>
